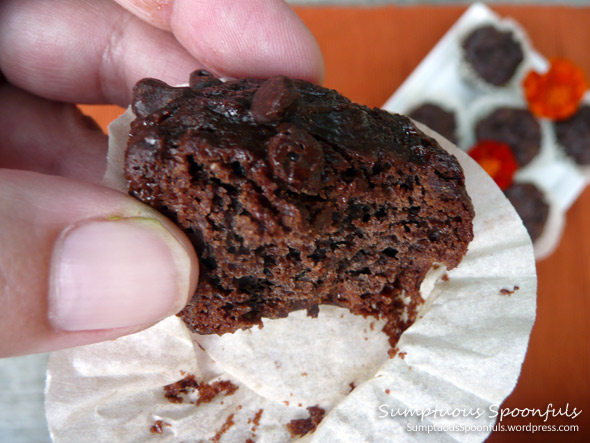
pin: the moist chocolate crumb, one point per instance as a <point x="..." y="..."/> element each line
<point x="158" y="427"/>
<point x="293" y="197"/>
<point x="302" y="426"/>
<point x="392" y="352"/>
<point x="445" y="277"/>
<point x="402" y="355"/>
<point x="207" y="391"/>
<point x="174" y="392"/>
<point x="505" y="291"/>
<point x="229" y="422"/>
<point x="255" y="422"/>
<point x="256" y="419"/>
<point x="352" y="386"/>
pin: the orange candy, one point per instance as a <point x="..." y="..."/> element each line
<point x="497" y="159"/>
<point x="557" y="93"/>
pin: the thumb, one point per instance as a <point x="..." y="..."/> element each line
<point x="80" y="263"/>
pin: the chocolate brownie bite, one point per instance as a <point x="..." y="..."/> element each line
<point x="436" y="118"/>
<point x="294" y="196"/>
<point x="531" y="205"/>
<point x="516" y="127"/>
<point x="573" y="134"/>
<point x="493" y="54"/>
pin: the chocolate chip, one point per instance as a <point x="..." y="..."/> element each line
<point x="201" y="79"/>
<point x="150" y="94"/>
<point x="297" y="159"/>
<point x="276" y="99"/>
<point x="200" y="73"/>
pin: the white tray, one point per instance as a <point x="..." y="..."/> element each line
<point x="439" y="74"/>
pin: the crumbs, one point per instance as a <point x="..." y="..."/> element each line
<point x="445" y="277"/>
<point x="226" y="426"/>
<point x="208" y="392"/>
<point x="509" y="292"/>
<point x="179" y="391"/>
<point x="392" y="352"/>
<point x="175" y="392"/>
<point x="255" y="422"/>
<point x="158" y="427"/>
<point x="300" y="427"/>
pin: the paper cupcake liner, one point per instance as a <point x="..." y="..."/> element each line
<point x="505" y="24"/>
<point x="464" y="352"/>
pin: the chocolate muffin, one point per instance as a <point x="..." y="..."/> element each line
<point x="516" y="127"/>
<point x="530" y="204"/>
<point x="437" y="119"/>
<point x="294" y="196"/>
<point x="493" y="54"/>
<point x="573" y="134"/>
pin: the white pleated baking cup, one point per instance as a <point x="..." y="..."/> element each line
<point x="454" y="355"/>
<point x="471" y="76"/>
<point x="447" y="102"/>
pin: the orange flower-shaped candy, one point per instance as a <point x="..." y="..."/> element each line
<point x="497" y="159"/>
<point x="557" y="93"/>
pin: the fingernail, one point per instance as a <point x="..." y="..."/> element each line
<point x="116" y="273"/>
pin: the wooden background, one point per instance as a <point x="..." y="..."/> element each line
<point x="368" y="53"/>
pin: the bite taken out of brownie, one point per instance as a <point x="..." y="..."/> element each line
<point x="294" y="196"/>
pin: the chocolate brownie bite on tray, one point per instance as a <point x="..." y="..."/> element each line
<point x="294" y="197"/>
<point x="573" y="135"/>
<point x="441" y="120"/>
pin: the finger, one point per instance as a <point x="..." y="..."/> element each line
<point x="49" y="137"/>
<point x="82" y="264"/>
<point x="85" y="52"/>
<point x="96" y="51"/>
<point x="259" y="38"/>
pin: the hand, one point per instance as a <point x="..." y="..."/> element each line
<point x="80" y="263"/>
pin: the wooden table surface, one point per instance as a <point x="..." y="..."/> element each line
<point x="368" y="53"/>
